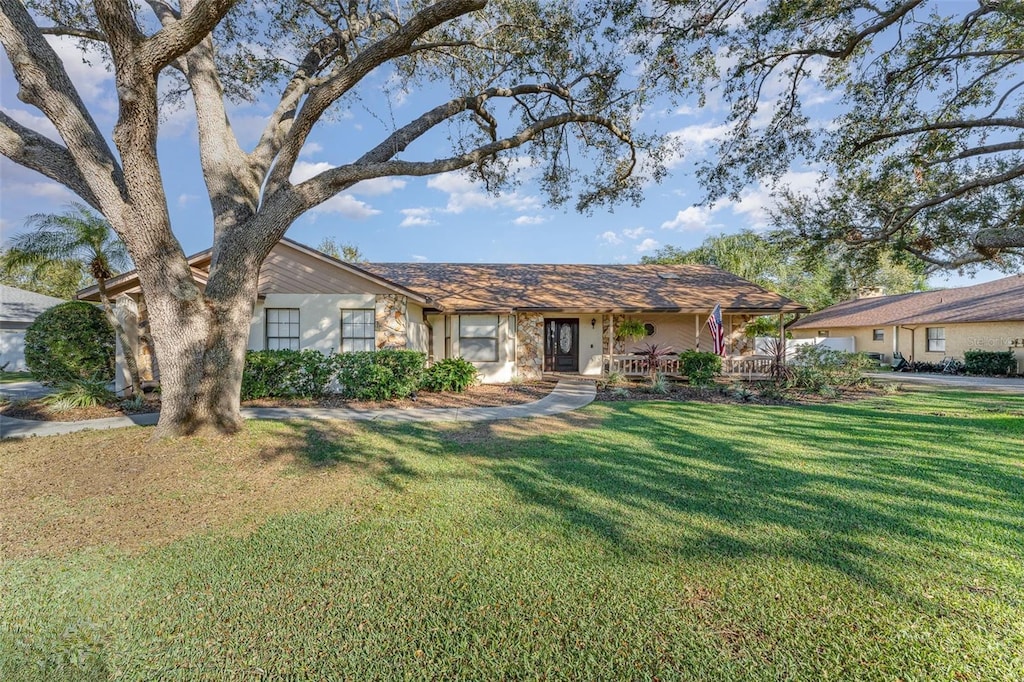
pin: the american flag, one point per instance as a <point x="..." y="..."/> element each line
<point x="717" y="333"/>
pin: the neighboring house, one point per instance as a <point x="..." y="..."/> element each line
<point x="18" y="309"/>
<point x="928" y="325"/>
<point x="509" y="320"/>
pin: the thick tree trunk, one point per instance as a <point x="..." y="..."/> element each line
<point x="200" y="345"/>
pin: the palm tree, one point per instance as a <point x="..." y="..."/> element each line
<point x="82" y="238"/>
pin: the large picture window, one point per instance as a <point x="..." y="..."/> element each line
<point x="282" y="328"/>
<point x="357" y="330"/>
<point x="936" y="339"/>
<point x="478" y="338"/>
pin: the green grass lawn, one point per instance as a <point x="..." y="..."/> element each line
<point x="874" y="540"/>
<point x="11" y="377"/>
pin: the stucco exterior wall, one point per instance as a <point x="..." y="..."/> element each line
<point x="319" y="318"/>
<point x="912" y="340"/>
<point x="417" y="334"/>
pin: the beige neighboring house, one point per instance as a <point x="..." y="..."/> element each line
<point x="928" y="325"/>
<point x="509" y="320"/>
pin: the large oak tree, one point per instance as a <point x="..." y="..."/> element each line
<point x="924" y="151"/>
<point x="505" y="74"/>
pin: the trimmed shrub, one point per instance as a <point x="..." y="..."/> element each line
<point x="70" y="342"/>
<point x="700" y="368"/>
<point x="286" y="374"/>
<point x="989" y="362"/>
<point x="816" y="367"/>
<point x="380" y="375"/>
<point x="450" y="374"/>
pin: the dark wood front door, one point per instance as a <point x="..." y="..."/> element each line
<point x="561" y="345"/>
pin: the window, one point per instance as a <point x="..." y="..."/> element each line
<point x="282" y="328"/>
<point x="823" y="333"/>
<point x="478" y="338"/>
<point x="649" y="328"/>
<point x="936" y="339"/>
<point x="358" y="330"/>
<point x="878" y="335"/>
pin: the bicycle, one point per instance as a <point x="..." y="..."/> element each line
<point x="952" y="366"/>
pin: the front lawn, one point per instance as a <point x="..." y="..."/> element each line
<point x="882" y="539"/>
<point x="12" y="377"/>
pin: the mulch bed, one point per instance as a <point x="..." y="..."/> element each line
<point x="484" y="395"/>
<point x="761" y="393"/>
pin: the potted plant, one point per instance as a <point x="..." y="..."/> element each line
<point x="631" y="330"/>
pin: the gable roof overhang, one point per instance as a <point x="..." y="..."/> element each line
<point x="199" y="264"/>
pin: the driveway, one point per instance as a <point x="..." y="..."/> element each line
<point x="24" y="390"/>
<point x="993" y="384"/>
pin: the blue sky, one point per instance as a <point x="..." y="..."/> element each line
<point x="442" y="218"/>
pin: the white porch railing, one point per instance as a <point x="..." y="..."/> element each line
<point x="638" y="365"/>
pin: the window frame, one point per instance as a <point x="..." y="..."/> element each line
<point x="372" y="324"/>
<point x="463" y="337"/>
<point x="878" y="334"/>
<point x="267" y="336"/>
<point x="931" y="344"/>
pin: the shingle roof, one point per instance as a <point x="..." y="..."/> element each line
<point x="590" y="288"/>
<point x="999" y="301"/>
<point x="19" y="305"/>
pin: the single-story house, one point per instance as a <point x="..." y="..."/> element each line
<point x="19" y="309"/>
<point x="510" y="320"/>
<point x="928" y="325"/>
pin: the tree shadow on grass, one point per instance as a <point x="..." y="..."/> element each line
<point x="329" y="444"/>
<point x="846" y="487"/>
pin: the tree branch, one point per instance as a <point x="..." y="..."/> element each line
<point x="38" y="152"/>
<point x="941" y="125"/>
<point x="385" y="49"/>
<point x="44" y="83"/>
<point x="87" y="34"/>
<point x="174" y="40"/>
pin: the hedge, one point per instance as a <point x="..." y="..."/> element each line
<point x="700" y="368"/>
<point x="69" y="342"/>
<point x="989" y="362"/>
<point x="286" y="374"/>
<point x="450" y="374"/>
<point x="380" y="375"/>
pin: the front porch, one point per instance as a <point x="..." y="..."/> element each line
<point x="632" y="364"/>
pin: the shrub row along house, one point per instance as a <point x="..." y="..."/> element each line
<point x="929" y="325"/>
<point x="509" y="320"/>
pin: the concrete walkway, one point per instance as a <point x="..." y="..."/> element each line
<point x="566" y="397"/>
<point x="986" y="384"/>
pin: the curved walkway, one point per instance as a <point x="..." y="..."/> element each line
<point x="565" y="397"/>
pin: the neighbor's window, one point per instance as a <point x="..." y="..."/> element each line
<point x="357" y="330"/>
<point x="878" y="335"/>
<point x="936" y="339"/>
<point x="282" y="328"/>
<point x="823" y="333"/>
<point x="478" y="338"/>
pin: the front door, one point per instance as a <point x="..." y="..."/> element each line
<point x="561" y="345"/>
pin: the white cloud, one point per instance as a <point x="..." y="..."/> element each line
<point x="691" y="219"/>
<point x="610" y="238"/>
<point x="348" y="206"/>
<point x="186" y="199"/>
<point x="38" y="123"/>
<point x="44" y="190"/>
<point x="304" y="170"/>
<point x="464" y="194"/>
<point x="377" y="186"/>
<point x="416" y="258"/>
<point x="755" y="204"/>
<point x="529" y="220"/>
<point x="636" y="232"/>
<point x="85" y="67"/>
<point x="416" y="217"/>
<point x="646" y="245"/>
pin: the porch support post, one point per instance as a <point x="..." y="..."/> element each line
<point x="611" y="340"/>
<point x="782" y="337"/>
<point x="696" y="330"/>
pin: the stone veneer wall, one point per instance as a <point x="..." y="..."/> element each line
<point x="391" y="316"/>
<point x="620" y="344"/>
<point x="530" y="345"/>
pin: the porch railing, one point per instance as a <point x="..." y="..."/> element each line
<point x="638" y="365"/>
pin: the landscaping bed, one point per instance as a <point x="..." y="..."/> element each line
<point x="481" y="395"/>
<point x="724" y="391"/>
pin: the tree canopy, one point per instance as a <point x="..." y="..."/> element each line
<point x="924" y="153"/>
<point x="835" y="275"/>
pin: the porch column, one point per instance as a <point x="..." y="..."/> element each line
<point x="782" y="338"/>
<point x="611" y="340"/>
<point x="696" y="330"/>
